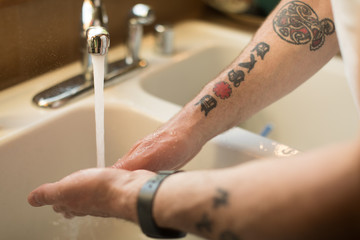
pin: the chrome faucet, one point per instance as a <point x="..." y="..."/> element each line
<point x="93" y="13"/>
<point x="94" y="19"/>
<point x="98" y="41"/>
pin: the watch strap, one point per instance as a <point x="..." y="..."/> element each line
<point x="145" y="209"/>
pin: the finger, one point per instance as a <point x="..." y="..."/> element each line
<point x="129" y="164"/>
<point x="46" y="194"/>
<point x="59" y="208"/>
<point x="118" y="165"/>
<point x="72" y="214"/>
<point x="68" y="215"/>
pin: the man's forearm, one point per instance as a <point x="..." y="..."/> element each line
<point x="295" y="41"/>
<point x="309" y="196"/>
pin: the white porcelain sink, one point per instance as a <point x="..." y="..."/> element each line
<point x="38" y="145"/>
<point x="180" y="82"/>
<point x="65" y="144"/>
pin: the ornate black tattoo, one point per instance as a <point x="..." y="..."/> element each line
<point x="228" y="235"/>
<point x="221" y="199"/>
<point x="297" y="23"/>
<point x="236" y="77"/>
<point x="249" y="65"/>
<point x="261" y="49"/>
<point x="208" y="103"/>
<point x="205" y="224"/>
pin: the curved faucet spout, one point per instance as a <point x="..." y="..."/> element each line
<point x="98" y="40"/>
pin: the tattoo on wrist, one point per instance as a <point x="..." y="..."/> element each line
<point x="221" y="198"/>
<point x="223" y="89"/>
<point x="228" y="235"/>
<point x="205" y="224"/>
<point x="297" y="23"/>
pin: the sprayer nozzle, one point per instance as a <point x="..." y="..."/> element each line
<point x="98" y="40"/>
<point x="142" y="14"/>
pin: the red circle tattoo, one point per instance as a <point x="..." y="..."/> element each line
<point x="222" y="90"/>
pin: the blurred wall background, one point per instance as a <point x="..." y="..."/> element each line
<point x="40" y="35"/>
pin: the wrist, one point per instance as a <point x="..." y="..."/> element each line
<point x="145" y="205"/>
<point x="126" y="193"/>
<point x="191" y="126"/>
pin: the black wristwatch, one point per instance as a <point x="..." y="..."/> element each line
<point x="145" y="207"/>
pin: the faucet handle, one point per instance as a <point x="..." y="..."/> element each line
<point x="141" y="14"/>
<point x="93" y="13"/>
<point x="164" y="39"/>
<point x="98" y="40"/>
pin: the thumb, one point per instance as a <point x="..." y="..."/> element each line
<point x="124" y="164"/>
<point x="119" y="165"/>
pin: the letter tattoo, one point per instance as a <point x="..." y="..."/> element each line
<point x="208" y="103"/>
<point x="221" y="199"/>
<point x="261" y="49"/>
<point x="297" y="23"/>
<point x="249" y="65"/>
<point x="236" y="77"/>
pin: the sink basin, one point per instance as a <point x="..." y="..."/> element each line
<point x="180" y="82"/>
<point x="66" y="144"/>
<point x="39" y="145"/>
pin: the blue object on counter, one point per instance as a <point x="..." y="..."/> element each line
<point x="266" y="131"/>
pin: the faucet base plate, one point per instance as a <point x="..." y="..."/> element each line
<point x="59" y="94"/>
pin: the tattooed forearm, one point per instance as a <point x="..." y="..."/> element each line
<point x="297" y="23"/>
<point x="223" y="89"/>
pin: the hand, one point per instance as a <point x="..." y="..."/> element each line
<point x="163" y="150"/>
<point x="100" y="192"/>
